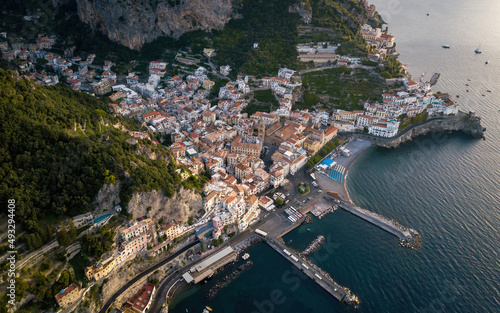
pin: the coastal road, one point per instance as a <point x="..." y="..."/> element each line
<point x="165" y="286"/>
<point x="173" y="281"/>
<point x="144" y="273"/>
<point x="274" y="220"/>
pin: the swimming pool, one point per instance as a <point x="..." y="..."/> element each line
<point x="101" y="218"/>
<point x="327" y="162"/>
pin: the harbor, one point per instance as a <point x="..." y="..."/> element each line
<point x="272" y="231"/>
<point x="319" y="276"/>
<point x="334" y="186"/>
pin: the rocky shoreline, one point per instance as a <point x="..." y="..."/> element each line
<point x="223" y="282"/>
<point x="467" y="123"/>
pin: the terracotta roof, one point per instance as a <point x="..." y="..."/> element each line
<point x="65" y="292"/>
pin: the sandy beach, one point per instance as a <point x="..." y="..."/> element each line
<point x="356" y="147"/>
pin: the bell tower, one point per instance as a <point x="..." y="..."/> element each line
<point x="262" y="130"/>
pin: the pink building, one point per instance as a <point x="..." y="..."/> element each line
<point x="130" y="248"/>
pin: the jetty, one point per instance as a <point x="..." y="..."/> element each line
<point x="272" y="232"/>
<point x="434" y="78"/>
<point x="313" y="245"/>
<point x="312" y="271"/>
<point x="408" y="238"/>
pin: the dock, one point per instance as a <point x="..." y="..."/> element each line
<point x="408" y="237"/>
<point x="208" y="267"/>
<point x="434" y="78"/>
<point x="312" y="271"/>
<point x="272" y="231"/>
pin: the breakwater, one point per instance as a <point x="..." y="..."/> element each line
<point x="408" y="238"/>
<point x="278" y="226"/>
<point x="313" y="245"/>
<point x="228" y="278"/>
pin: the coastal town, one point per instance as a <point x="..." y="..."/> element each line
<point x="254" y="161"/>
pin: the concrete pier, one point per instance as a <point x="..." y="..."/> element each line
<point x="276" y="227"/>
<point x="325" y="282"/>
<point x="407" y="237"/>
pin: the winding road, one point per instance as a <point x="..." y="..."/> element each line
<point x="144" y="273"/>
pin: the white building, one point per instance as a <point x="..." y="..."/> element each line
<point x="225" y="70"/>
<point x="384" y="129"/>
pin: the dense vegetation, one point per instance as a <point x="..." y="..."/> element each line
<point x="393" y="67"/>
<point x="95" y="245"/>
<point x="414" y="120"/>
<point x="263" y="101"/>
<point x="327" y="148"/>
<point x="309" y="100"/>
<point x="343" y="88"/>
<point x="342" y="16"/>
<point x="265" y="96"/>
<point x="267" y="23"/>
<point x="58" y="149"/>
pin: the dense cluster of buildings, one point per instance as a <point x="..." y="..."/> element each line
<point x="382" y="119"/>
<point x="132" y="239"/>
<point x="224" y="141"/>
<point x="381" y="40"/>
<point x="80" y="72"/>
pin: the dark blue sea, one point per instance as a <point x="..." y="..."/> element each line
<point x="446" y="186"/>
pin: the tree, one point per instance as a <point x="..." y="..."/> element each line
<point x="21" y="288"/>
<point x="63" y="238"/>
<point x="73" y="233"/>
<point x="386" y="75"/>
<point x="169" y="191"/>
<point x="279" y="202"/>
<point x="42" y="61"/>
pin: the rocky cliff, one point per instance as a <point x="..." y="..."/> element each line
<point x="135" y="22"/>
<point x="184" y="204"/>
<point x="467" y="123"/>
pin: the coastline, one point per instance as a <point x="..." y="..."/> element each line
<point x="357" y="147"/>
<point x="348" y="168"/>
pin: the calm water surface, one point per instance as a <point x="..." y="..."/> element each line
<point x="447" y="187"/>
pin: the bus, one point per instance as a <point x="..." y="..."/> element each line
<point x="260" y="232"/>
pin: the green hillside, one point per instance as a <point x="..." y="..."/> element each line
<point x="59" y="148"/>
